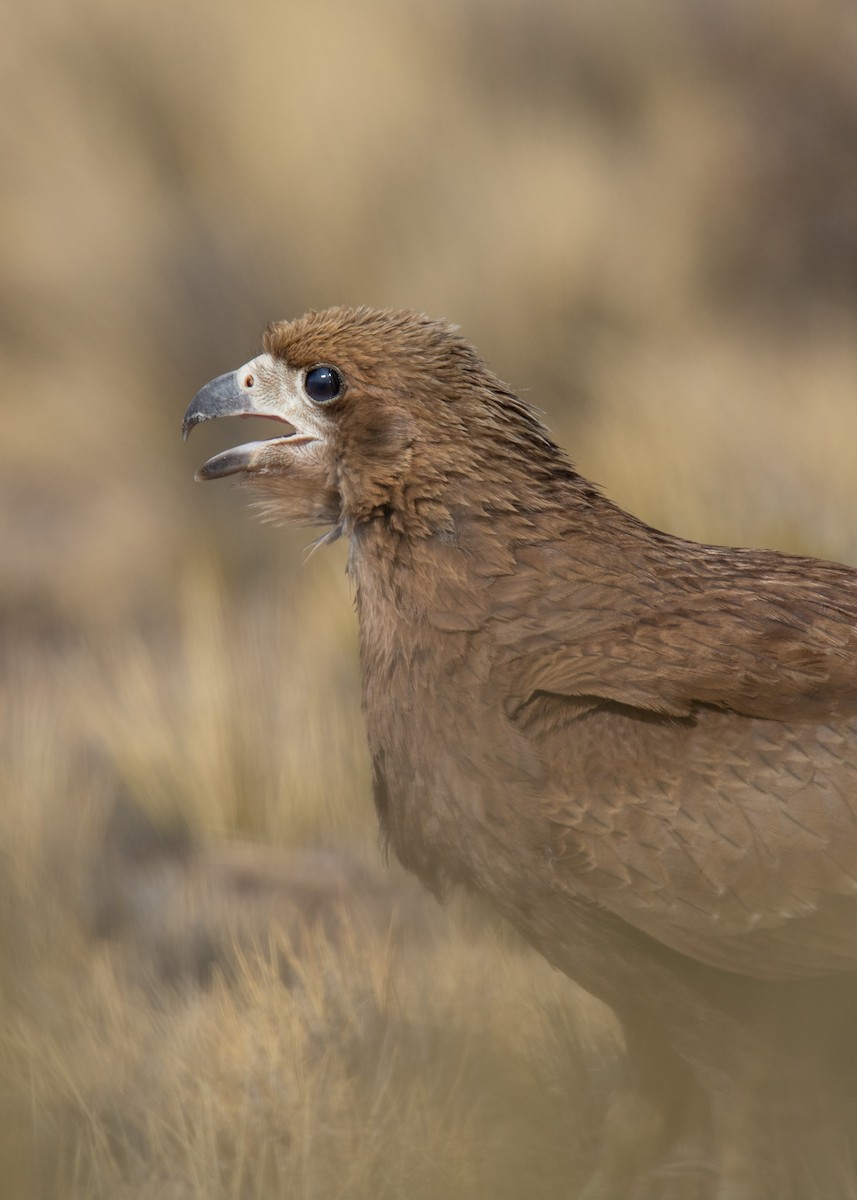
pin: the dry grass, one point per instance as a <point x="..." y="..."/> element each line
<point x="444" y="1063"/>
<point x="644" y="216"/>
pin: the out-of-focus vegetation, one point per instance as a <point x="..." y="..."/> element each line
<point x="645" y="216"/>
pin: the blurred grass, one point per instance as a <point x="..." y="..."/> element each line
<point x="382" y="1071"/>
<point x="646" y="218"/>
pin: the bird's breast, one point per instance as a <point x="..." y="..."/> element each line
<point x="458" y="781"/>
<point x="457" y="778"/>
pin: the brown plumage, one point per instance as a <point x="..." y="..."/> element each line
<point x="642" y="750"/>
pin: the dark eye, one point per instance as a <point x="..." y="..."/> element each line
<point x="323" y="384"/>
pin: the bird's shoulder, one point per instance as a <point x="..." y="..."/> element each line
<point x="662" y="624"/>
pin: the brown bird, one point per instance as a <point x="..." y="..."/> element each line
<point x="641" y="750"/>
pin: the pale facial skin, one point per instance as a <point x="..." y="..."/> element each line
<point x="293" y="468"/>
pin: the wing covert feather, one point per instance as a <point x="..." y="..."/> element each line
<point x="730" y="839"/>
<point x="754" y="632"/>
<point x="701" y="735"/>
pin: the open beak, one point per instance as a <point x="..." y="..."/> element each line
<point x="234" y="395"/>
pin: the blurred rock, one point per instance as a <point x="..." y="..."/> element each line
<point x="182" y="910"/>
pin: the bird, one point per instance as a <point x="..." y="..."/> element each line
<point x="639" y="749"/>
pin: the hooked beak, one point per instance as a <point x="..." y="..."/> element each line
<point x="235" y="394"/>
<point x="222" y="397"/>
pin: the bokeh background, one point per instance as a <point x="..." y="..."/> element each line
<point x="645" y="216"/>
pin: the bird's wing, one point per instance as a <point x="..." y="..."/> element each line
<point x="731" y="839"/>
<point x="703" y="754"/>
<point x="757" y="633"/>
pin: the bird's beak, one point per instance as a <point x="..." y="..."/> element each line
<point x="222" y="397"/>
<point x="234" y="395"/>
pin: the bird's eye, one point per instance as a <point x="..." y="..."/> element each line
<point x="323" y="384"/>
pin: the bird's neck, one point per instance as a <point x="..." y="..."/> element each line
<point x="437" y="565"/>
<point x="402" y="578"/>
<point x="411" y="585"/>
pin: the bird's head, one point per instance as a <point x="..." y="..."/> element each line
<point x="391" y="415"/>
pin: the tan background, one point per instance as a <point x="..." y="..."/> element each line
<point x="643" y="214"/>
